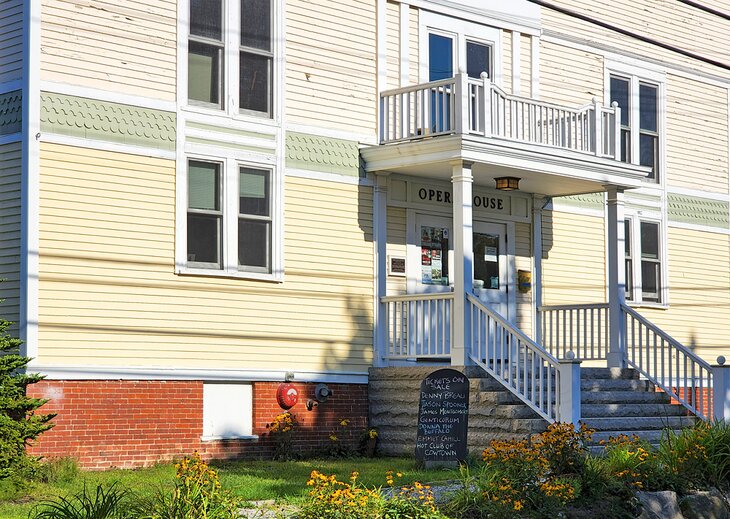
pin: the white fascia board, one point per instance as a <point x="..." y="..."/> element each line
<point x="518" y="15"/>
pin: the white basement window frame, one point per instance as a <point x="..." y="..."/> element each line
<point x="227" y="411"/>
<point x="232" y="225"/>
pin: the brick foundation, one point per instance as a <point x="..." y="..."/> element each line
<point x="128" y="424"/>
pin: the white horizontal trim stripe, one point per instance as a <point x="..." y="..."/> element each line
<point x="695" y="227"/>
<point x="108" y="146"/>
<point x="722" y="197"/>
<point x="329" y="177"/>
<point x="222" y="374"/>
<point x="370" y="139"/>
<point x="109" y="96"/>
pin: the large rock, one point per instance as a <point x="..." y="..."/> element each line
<point x="659" y="505"/>
<point x="705" y="505"/>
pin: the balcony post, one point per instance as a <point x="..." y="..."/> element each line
<point x="569" y="405"/>
<point x="538" y="204"/>
<point x="616" y="130"/>
<point x="461" y="103"/>
<point x="486" y="104"/>
<point x="461" y="181"/>
<point x="616" y="278"/>
<point x="597" y="128"/>
<point x="380" y="227"/>
<point x="721" y="390"/>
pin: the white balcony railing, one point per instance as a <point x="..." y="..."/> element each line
<point x="418" y="326"/>
<point x="463" y="105"/>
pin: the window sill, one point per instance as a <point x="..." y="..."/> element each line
<point x="253" y="276"/>
<point x="249" y="437"/>
<point x="655" y="306"/>
<point x="247" y="117"/>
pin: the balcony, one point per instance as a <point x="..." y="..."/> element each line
<point x="555" y="150"/>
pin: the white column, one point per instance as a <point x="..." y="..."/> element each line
<point x="538" y="203"/>
<point x="616" y="278"/>
<point x="721" y="390"/>
<point x="380" y="236"/>
<point x="463" y="271"/>
<point x="569" y="403"/>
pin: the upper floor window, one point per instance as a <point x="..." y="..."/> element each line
<point x="220" y="29"/>
<point x="639" y="103"/>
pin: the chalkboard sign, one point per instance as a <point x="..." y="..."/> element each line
<point x="443" y="414"/>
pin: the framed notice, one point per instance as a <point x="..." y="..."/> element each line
<point x="397" y="266"/>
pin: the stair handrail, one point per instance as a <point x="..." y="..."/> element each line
<point x="673" y="368"/>
<point x="537" y="373"/>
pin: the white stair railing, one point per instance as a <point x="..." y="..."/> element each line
<point x="668" y="364"/>
<point x="418" y="326"/>
<point x="582" y="329"/>
<point x="548" y="386"/>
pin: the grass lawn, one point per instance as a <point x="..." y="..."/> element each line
<point x="250" y="480"/>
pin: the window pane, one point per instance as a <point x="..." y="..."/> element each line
<point x="254" y="192"/>
<point x="205" y="18"/>
<point x="440" y="57"/>
<point x="647" y="107"/>
<point x="649" y="240"/>
<point x="477" y="59"/>
<point x="256" y="24"/>
<point x="254" y="87"/>
<point x="486" y="259"/>
<point x="253" y="243"/>
<point x="627" y="237"/>
<point x="434" y="255"/>
<point x="204" y="75"/>
<point x="620" y="94"/>
<point x="625" y="145"/>
<point x="629" y="280"/>
<point x="204" y="185"/>
<point x="650" y="284"/>
<point x="204" y="238"/>
<point x="648" y="150"/>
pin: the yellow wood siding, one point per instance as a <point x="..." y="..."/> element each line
<point x="108" y="294"/>
<point x="330" y="71"/>
<point x="523" y="261"/>
<point x="568" y="76"/>
<point x="11" y="41"/>
<point x="413" y="46"/>
<point x="396" y="246"/>
<point x="126" y="47"/>
<point x="393" y="44"/>
<point x="573" y="259"/>
<point x="10" y="173"/>
<point x="699" y="292"/>
<point x="526" y="65"/>
<point x="673" y="23"/>
<point x="506" y="62"/>
<point x="697" y="135"/>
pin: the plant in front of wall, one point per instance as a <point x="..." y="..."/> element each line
<point x="340" y="444"/>
<point x="107" y="503"/>
<point x="19" y="421"/>
<point x="281" y="430"/>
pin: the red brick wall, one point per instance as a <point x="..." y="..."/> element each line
<point x="129" y="424"/>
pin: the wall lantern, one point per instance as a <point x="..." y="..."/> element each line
<point x="507" y="183"/>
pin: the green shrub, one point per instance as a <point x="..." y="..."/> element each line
<point x="58" y="470"/>
<point x="19" y="423"/>
<point x="103" y="504"/>
<point x="699" y="454"/>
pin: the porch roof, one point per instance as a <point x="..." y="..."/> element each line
<point x="544" y="170"/>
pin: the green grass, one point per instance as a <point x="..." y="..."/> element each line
<point x="249" y="480"/>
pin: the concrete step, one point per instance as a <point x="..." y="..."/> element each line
<point x="624" y="397"/>
<point x="613" y="410"/>
<point x="503" y="411"/>
<point x="652" y="437"/>
<point x="616" y="385"/>
<point x="404" y="423"/>
<point x="639" y="423"/>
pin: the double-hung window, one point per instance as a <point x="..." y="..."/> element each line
<point x="219" y="29"/>
<point x="644" y="261"/>
<point x="639" y="103"/>
<point x="230" y="224"/>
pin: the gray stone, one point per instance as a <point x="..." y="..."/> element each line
<point x="659" y="505"/>
<point x="705" y="505"/>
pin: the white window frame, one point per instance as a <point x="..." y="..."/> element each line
<point x="637" y="73"/>
<point x="230" y="168"/>
<point x="462" y="31"/>
<point x="231" y="77"/>
<point x="636" y="218"/>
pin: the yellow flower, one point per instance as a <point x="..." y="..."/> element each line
<point x="518" y="505"/>
<point x="333" y="437"/>
<point x="344" y="422"/>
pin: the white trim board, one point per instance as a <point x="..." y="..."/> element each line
<point x="73" y="372"/>
<point x="329" y="177"/>
<point x="107" y="95"/>
<point x="107" y="146"/>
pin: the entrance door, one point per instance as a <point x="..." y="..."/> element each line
<point x="490" y="265"/>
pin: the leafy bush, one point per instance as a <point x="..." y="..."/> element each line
<point x="197" y="495"/>
<point x="19" y="423"/>
<point x="281" y="431"/>
<point x="103" y="504"/>
<point x="58" y="470"/>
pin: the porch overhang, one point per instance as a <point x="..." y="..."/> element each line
<point x="542" y="169"/>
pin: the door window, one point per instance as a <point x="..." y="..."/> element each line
<point x="486" y="261"/>
<point x="434" y="255"/>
